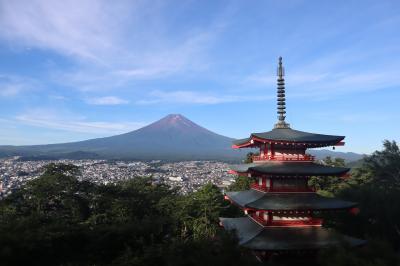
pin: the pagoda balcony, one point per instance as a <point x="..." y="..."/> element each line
<point x="311" y="221"/>
<point x="281" y="157"/>
<point x="256" y="186"/>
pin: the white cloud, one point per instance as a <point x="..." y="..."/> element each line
<point x="187" y="97"/>
<point x="9" y="90"/>
<point x="107" y="100"/>
<point x="11" y="86"/>
<point x="112" y="43"/>
<point x="51" y="119"/>
<point x="192" y="97"/>
<point x="366" y="117"/>
<point x="331" y="76"/>
<point x="79" y="28"/>
<point x="58" y="97"/>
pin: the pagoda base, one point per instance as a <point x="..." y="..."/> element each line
<point x="256" y="237"/>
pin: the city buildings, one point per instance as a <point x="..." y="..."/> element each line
<point x="187" y="175"/>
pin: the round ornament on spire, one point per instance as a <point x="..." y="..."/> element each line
<point x="281" y="100"/>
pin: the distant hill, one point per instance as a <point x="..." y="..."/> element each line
<point x="172" y="138"/>
<point x="355" y="164"/>
<point x="347" y="156"/>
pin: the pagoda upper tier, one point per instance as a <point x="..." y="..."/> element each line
<point x="287" y="136"/>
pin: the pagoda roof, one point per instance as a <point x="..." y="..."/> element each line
<point x="286" y="201"/>
<point x="290" y="168"/>
<point x="290" y="135"/>
<point x="257" y="237"/>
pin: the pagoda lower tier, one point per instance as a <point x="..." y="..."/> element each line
<point x="257" y="237"/>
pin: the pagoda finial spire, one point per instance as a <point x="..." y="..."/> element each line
<point x="281" y="101"/>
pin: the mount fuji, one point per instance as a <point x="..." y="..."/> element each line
<point x="172" y="138"/>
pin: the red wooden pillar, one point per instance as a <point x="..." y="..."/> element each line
<point x="266" y="149"/>
<point x="269" y="217"/>
<point x="272" y="150"/>
<point x="262" y="150"/>
<point x="267" y="184"/>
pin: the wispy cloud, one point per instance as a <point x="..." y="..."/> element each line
<point x="132" y="65"/>
<point x="190" y="97"/>
<point x="112" y="44"/>
<point x="58" y="97"/>
<point x="79" y="28"/>
<point x="8" y="90"/>
<point x="360" y="118"/>
<point x="327" y="77"/>
<point x="11" y="86"/>
<point x="107" y="100"/>
<point x="52" y="119"/>
<point x="193" y="97"/>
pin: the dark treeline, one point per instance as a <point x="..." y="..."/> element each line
<point x="375" y="186"/>
<point x="58" y="220"/>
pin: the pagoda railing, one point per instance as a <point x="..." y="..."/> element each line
<point x="309" y="222"/>
<point x="282" y="157"/>
<point x="312" y="221"/>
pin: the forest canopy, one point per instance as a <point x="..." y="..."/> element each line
<point x="57" y="219"/>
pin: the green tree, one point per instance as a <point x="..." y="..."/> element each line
<point x="329" y="185"/>
<point x="249" y="157"/>
<point x="241" y="183"/>
<point x="374" y="186"/>
<point x="59" y="220"/>
<point x="199" y="212"/>
<point x="382" y="168"/>
<point x="376" y="253"/>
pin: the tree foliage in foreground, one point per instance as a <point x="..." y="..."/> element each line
<point x="241" y="183"/>
<point x="58" y="220"/>
<point x="329" y="186"/>
<point x="375" y="186"/>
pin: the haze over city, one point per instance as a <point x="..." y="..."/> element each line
<point x="73" y="70"/>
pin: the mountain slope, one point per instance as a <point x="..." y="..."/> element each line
<point x="174" y="137"/>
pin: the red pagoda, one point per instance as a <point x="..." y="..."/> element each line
<point x="281" y="208"/>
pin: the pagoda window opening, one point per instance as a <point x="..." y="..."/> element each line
<point x="266" y="216"/>
<point x="262" y="183"/>
<point x="263" y="151"/>
<point x="291" y="185"/>
<point x="290" y="218"/>
<point x="261" y="216"/>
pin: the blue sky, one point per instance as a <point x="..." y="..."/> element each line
<point x="74" y="70"/>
